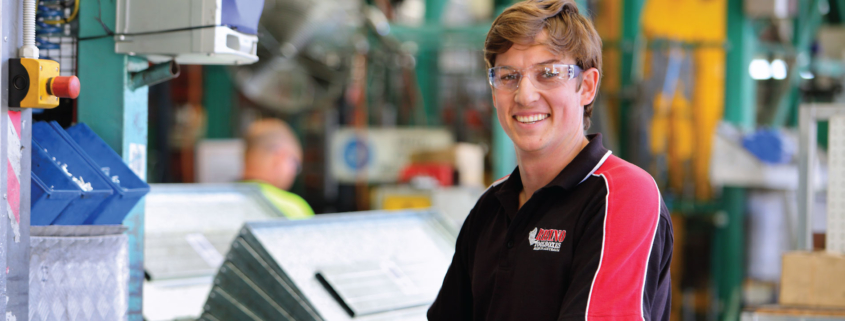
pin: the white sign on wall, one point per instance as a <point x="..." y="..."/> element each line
<point x="379" y="154"/>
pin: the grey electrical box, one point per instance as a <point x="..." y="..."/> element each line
<point x="193" y="32"/>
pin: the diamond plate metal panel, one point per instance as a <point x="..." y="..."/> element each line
<point x="835" y="239"/>
<point x="79" y="278"/>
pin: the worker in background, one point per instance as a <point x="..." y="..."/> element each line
<point x="573" y="233"/>
<point x="272" y="160"/>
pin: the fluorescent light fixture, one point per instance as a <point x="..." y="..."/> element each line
<point x="759" y="69"/>
<point x="778" y="69"/>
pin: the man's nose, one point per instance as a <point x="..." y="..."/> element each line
<point x="526" y="93"/>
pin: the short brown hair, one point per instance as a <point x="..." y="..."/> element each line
<point x="569" y="33"/>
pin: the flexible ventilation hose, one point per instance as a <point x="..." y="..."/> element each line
<point x="29" y="50"/>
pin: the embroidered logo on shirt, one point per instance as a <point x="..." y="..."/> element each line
<point x="546" y="239"/>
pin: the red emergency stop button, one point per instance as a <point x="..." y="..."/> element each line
<point x="63" y="86"/>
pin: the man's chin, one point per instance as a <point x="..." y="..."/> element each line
<point x="532" y="147"/>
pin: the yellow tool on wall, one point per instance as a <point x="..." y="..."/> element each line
<point x="685" y="134"/>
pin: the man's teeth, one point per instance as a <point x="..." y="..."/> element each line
<point x="531" y="118"/>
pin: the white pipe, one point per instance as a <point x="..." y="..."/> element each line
<point x="29" y="50"/>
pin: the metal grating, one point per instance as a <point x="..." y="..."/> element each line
<point x="835" y="241"/>
<point x="56" y="33"/>
<point x="65" y="54"/>
<point x="271" y="270"/>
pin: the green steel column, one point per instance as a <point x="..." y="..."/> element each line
<point x="427" y="68"/>
<point x="840" y="7"/>
<point x="434" y="10"/>
<point x="740" y="109"/>
<point x="740" y="89"/>
<point x="118" y="114"/>
<point x="806" y="25"/>
<point x="632" y="13"/>
<point x="218" y="99"/>
<point x="504" y="155"/>
<point x="729" y="250"/>
<point x="427" y="74"/>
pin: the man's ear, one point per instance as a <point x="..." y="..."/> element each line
<point x="493" y="93"/>
<point x="589" y="85"/>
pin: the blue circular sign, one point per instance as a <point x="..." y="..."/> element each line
<point x="357" y="154"/>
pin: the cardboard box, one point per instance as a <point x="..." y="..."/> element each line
<point x="814" y="279"/>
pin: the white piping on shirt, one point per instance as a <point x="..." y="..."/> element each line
<point x="604" y="158"/>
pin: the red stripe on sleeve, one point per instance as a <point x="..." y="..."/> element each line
<point x="631" y="218"/>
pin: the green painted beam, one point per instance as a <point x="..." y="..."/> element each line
<point x="427" y="70"/>
<point x="740" y="109"/>
<point x="729" y="244"/>
<point x="806" y="25"/>
<point x="219" y="102"/>
<point x="427" y="65"/>
<point x="504" y="154"/>
<point x="434" y="10"/>
<point x="118" y="114"/>
<point x="433" y="36"/>
<point x="740" y="89"/>
<point x="840" y="7"/>
<point x="631" y="18"/>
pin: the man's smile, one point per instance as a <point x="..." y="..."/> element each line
<point x="530" y="119"/>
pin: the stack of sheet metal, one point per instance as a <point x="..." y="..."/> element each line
<point x="361" y="266"/>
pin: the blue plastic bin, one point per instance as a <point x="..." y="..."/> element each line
<point x="78" y="210"/>
<point x="128" y="187"/>
<point x="51" y="195"/>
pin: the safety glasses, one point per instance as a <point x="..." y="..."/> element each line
<point x="543" y="76"/>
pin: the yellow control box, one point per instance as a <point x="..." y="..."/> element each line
<point x="35" y="83"/>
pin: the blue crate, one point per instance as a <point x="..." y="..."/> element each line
<point x="51" y="195"/>
<point x="45" y="139"/>
<point x="128" y="187"/>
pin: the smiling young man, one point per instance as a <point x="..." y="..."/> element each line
<point x="574" y="233"/>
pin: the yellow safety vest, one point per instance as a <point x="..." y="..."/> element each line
<point x="290" y="204"/>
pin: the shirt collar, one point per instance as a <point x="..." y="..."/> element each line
<point x="588" y="160"/>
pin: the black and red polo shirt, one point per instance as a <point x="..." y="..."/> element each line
<point x="595" y="243"/>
